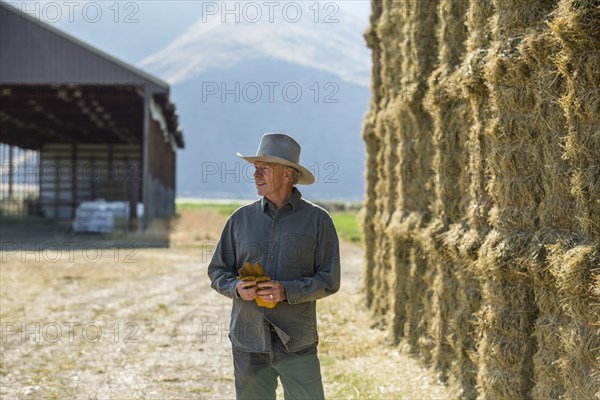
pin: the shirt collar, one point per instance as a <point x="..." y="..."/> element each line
<point x="296" y="195"/>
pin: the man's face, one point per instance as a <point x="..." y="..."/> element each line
<point x="269" y="179"/>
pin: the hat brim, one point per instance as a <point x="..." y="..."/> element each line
<point x="306" y="177"/>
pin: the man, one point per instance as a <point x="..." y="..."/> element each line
<point x="296" y="243"/>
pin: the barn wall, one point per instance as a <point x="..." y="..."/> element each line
<point x="72" y="173"/>
<point x="482" y="213"/>
<point x="161" y="172"/>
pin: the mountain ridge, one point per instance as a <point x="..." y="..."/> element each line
<point x="209" y="43"/>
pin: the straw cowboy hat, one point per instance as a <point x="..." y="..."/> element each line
<point x="281" y="149"/>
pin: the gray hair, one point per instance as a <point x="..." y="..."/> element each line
<point x="295" y="174"/>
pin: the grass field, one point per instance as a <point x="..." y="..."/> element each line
<point x="348" y="226"/>
<point x="225" y="209"/>
<point x="346" y="222"/>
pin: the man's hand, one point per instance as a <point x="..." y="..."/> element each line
<point x="271" y="291"/>
<point x="246" y="289"/>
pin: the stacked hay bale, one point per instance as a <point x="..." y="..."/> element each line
<point x="367" y="213"/>
<point x="464" y="240"/>
<point x="449" y="108"/>
<point x="515" y="134"/>
<point x="577" y="29"/>
<point x="397" y="266"/>
<point x="375" y="133"/>
<point x="416" y="187"/>
<point x="482" y="216"/>
<point x="555" y="211"/>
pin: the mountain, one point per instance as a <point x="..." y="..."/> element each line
<point x="233" y="80"/>
<point x="217" y="41"/>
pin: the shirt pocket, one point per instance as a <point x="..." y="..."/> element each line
<point x="299" y="251"/>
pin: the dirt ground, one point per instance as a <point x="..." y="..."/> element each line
<point x="87" y="322"/>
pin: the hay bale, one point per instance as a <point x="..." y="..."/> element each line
<point x="575" y="274"/>
<point x="474" y="86"/>
<point x="577" y="365"/>
<point x="509" y="311"/>
<point x="401" y="290"/>
<point x="416" y="329"/>
<point x="547" y="373"/>
<point x="446" y="292"/>
<point x="482" y="213"/>
<point x="373" y="145"/>
<point x="548" y="379"/>
<point x="554" y="207"/>
<point x="506" y="317"/>
<point x="383" y="277"/>
<point x="367" y="213"/>
<point x="401" y="230"/>
<point x="464" y="243"/>
<point x="399" y="162"/>
<point x="418" y="51"/>
<point x="462" y="247"/>
<point x="577" y="29"/>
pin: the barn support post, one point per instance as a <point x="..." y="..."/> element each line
<point x="56" y="187"/>
<point x="11" y="171"/>
<point x="146" y="179"/>
<point x="132" y="184"/>
<point x="74" y="170"/>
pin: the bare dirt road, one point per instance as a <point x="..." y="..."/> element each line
<point x="143" y="323"/>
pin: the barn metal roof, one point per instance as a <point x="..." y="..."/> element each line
<point x="34" y="53"/>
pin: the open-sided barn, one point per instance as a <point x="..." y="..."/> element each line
<point x="78" y="124"/>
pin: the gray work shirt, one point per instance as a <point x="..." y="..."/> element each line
<point x="298" y="245"/>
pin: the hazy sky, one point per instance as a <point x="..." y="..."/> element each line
<point x="358" y="8"/>
<point x="121" y="25"/>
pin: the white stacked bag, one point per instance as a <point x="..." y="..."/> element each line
<point x="99" y="216"/>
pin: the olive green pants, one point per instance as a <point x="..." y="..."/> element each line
<point x="256" y="373"/>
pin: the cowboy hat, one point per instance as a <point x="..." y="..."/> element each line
<point x="281" y="149"/>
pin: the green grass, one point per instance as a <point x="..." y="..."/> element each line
<point x="347" y="226"/>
